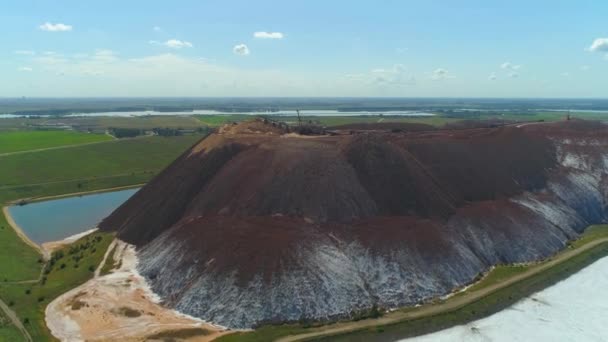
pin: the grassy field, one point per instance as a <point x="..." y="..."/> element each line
<point x="18" y="260"/>
<point x="220" y="119"/>
<point x="487" y="305"/>
<point x="8" y="332"/>
<point x="329" y="121"/>
<point x="68" y="268"/>
<point x="62" y="171"/>
<point x="110" y="263"/>
<point x="437" y="120"/>
<point x="89" y="167"/>
<point x="31" y="140"/>
<point x="99" y="124"/>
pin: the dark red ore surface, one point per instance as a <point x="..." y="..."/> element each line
<point x="255" y="225"/>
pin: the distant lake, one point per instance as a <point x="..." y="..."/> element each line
<point x="214" y="112"/>
<point x="58" y="219"/>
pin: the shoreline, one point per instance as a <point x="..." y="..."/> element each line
<point x="52" y="245"/>
<point x="72" y="194"/>
<point x="21" y="234"/>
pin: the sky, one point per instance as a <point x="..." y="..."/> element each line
<point x="432" y="48"/>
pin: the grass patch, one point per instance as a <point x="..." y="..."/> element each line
<point x="178" y="334"/>
<point x="90" y="167"/>
<point x="110" y="263"/>
<point x="18" y="261"/>
<point x="8" y="332"/>
<point x="69" y="267"/>
<point x="221" y="119"/>
<point x="57" y="172"/>
<point x="329" y="121"/>
<point x="31" y="140"/>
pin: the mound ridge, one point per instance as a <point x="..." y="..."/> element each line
<point x="255" y="225"/>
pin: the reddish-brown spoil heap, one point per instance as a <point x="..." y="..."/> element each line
<point x="255" y="224"/>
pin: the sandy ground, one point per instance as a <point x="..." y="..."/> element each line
<point x="120" y="307"/>
<point x="49" y="247"/>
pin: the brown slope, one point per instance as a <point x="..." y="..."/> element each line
<point x="335" y="179"/>
<point x="254" y="225"/>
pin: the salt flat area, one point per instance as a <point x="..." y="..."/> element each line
<point x="574" y="309"/>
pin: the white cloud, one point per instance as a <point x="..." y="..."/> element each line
<point x="25" y="52"/>
<point x="585" y="68"/>
<point x="599" y="45"/>
<point x="440" y="74"/>
<point x="173" y="43"/>
<point x="26" y="69"/>
<point x="104" y="56"/>
<point x="177" y="44"/>
<point x="513" y="75"/>
<point x="241" y="49"/>
<point x="169" y="74"/>
<point x="50" y="27"/>
<point x="397" y="75"/>
<point x="510" y="66"/>
<point x="157" y="29"/>
<point x="565" y="74"/>
<point x="492" y="76"/>
<point x="268" y="35"/>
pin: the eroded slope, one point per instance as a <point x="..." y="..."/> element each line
<point x="253" y="225"/>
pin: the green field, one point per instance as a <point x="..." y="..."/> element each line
<point x="89" y="167"/>
<point x="18" y="141"/>
<point x="134" y="161"/>
<point x="62" y="171"/>
<point x="18" y="260"/>
<point x="438" y="120"/>
<point x="8" y="332"/>
<point x="75" y="266"/>
<point x="328" y="121"/>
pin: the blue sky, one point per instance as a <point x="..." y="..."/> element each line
<point x="304" y="48"/>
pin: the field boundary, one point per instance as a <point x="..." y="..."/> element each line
<point x="6" y="154"/>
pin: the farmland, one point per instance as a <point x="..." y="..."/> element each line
<point x="68" y="268"/>
<point x="89" y="167"/>
<point x="18" y="141"/>
<point x="58" y="171"/>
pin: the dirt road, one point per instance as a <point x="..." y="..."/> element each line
<point x="452" y="304"/>
<point x="15" y="320"/>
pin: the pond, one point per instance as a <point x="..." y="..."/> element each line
<point x="58" y="219"/>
